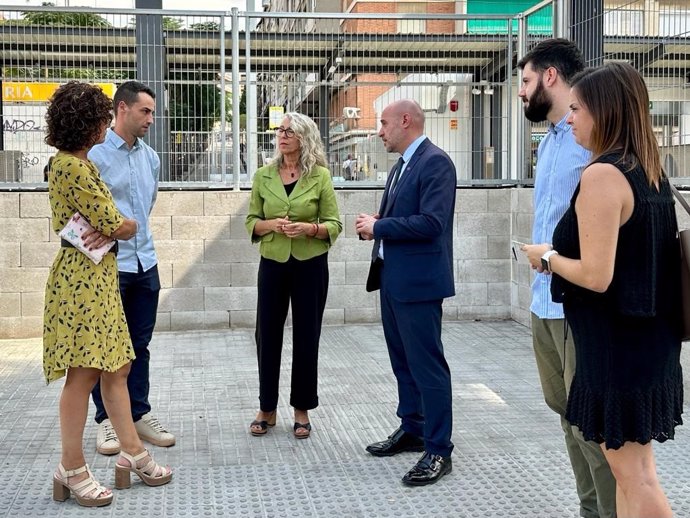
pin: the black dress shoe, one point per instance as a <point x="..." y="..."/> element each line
<point x="398" y="442"/>
<point x="428" y="470"/>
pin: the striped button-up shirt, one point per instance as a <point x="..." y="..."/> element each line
<point x="560" y="161"/>
<point x="132" y="177"/>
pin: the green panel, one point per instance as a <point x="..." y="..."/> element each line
<point x="540" y="22"/>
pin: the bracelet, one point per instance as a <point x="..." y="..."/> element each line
<point x="316" y="229"/>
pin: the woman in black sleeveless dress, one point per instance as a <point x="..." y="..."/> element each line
<point x="616" y="265"/>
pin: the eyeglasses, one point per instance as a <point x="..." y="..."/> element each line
<point x="288" y="132"/>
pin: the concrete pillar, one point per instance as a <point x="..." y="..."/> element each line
<point x="152" y="71"/>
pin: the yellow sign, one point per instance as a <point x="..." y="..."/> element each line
<point x="39" y="92"/>
<point x="275" y="116"/>
<point x="453" y="124"/>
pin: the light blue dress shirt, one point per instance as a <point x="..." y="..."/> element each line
<point x="132" y="177"/>
<point x="407" y="154"/>
<point x="560" y="161"/>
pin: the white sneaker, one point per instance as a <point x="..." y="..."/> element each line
<point x="107" y="442"/>
<point x="150" y="430"/>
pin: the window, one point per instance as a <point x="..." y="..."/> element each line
<point x="674" y="23"/>
<point x="411" y="26"/>
<point x="624" y="22"/>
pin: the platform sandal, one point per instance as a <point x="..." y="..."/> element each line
<point x="305" y="430"/>
<point x="151" y="474"/>
<point x="88" y="492"/>
<point x="257" y="428"/>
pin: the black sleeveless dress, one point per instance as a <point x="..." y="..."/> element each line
<point x="628" y="383"/>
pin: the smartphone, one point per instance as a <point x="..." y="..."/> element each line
<point x="517" y="254"/>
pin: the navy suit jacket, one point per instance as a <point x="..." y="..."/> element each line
<point x="416" y="226"/>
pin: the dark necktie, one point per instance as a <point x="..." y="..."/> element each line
<point x="396" y="174"/>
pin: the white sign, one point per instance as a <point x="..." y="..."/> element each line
<point x="275" y="116"/>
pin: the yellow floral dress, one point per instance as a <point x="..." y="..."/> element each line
<point x="84" y="322"/>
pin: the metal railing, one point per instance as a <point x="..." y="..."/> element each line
<point x="221" y="89"/>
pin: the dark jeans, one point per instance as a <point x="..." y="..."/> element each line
<point x="304" y="285"/>
<point x="139" y="292"/>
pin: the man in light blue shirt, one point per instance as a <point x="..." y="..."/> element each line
<point x="545" y="91"/>
<point x="131" y="170"/>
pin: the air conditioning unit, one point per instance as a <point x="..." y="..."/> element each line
<point x="351" y="112"/>
<point x="10" y="166"/>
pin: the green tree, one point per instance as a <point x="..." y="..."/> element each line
<point x="205" y="26"/>
<point x="169" y="24"/>
<point x="193" y="107"/>
<point x="63" y="19"/>
<point x="243" y="109"/>
<point x="172" y="24"/>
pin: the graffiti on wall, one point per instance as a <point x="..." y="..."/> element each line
<point x="23" y="129"/>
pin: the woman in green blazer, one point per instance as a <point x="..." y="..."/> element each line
<point x="294" y="216"/>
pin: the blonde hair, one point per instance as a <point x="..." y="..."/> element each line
<point x="311" y="147"/>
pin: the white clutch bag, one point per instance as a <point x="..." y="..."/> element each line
<point x="73" y="232"/>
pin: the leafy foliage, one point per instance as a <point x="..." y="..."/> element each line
<point x="193" y="107"/>
<point x="63" y="19"/>
<point x="169" y="23"/>
<point x="172" y="24"/>
<point x="205" y="26"/>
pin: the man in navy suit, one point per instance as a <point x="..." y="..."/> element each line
<point x="412" y="264"/>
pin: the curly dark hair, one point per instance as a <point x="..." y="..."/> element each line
<point x="75" y="116"/>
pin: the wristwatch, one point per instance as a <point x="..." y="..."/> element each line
<point x="546" y="260"/>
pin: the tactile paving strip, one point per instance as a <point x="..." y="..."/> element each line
<point x="509" y="460"/>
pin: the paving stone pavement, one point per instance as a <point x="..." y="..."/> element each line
<point x="509" y="458"/>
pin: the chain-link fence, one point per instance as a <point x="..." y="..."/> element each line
<point x="655" y="38"/>
<point x="221" y="90"/>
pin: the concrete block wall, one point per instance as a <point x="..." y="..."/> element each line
<point x="522" y="216"/>
<point x="27" y="248"/>
<point x="208" y="265"/>
<point x="481" y="244"/>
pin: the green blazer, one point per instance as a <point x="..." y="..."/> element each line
<point x="311" y="201"/>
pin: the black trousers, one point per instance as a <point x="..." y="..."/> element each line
<point x="304" y="286"/>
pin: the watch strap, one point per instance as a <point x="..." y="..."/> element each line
<point x="546" y="260"/>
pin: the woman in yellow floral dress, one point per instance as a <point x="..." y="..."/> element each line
<point x="85" y="334"/>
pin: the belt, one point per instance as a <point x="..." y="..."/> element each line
<point x="66" y="244"/>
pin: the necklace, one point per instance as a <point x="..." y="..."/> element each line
<point x="291" y="173"/>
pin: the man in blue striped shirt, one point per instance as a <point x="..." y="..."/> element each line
<point x="130" y="169"/>
<point x="545" y="92"/>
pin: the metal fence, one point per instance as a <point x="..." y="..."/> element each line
<point x="221" y="89"/>
<point x="655" y="38"/>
